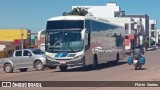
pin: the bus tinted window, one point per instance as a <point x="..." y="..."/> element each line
<point x="64" y="24"/>
<point x="88" y="25"/>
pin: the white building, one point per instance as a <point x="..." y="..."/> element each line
<point x="142" y="24"/>
<point x="153" y="33"/>
<point x="113" y="13"/>
<point x="158" y="36"/>
<point x="129" y="25"/>
<point x="110" y="10"/>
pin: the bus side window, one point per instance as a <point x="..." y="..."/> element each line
<point x="87" y="41"/>
<point x="86" y="38"/>
<point x="89" y="38"/>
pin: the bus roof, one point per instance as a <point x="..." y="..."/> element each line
<point x="82" y="18"/>
<point x="67" y="18"/>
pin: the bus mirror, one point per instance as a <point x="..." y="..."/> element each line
<point x="83" y="34"/>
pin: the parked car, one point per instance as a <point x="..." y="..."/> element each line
<point x="158" y="45"/>
<point x="150" y="49"/>
<point x="154" y="47"/>
<point x="24" y="59"/>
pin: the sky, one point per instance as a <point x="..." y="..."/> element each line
<point x="33" y="14"/>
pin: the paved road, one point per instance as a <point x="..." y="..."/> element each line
<point x="105" y="72"/>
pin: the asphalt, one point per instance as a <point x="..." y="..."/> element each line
<point x="105" y="72"/>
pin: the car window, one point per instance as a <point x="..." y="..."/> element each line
<point x="37" y="51"/>
<point x="18" y="53"/>
<point x="26" y="53"/>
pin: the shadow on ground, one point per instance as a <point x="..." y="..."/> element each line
<point x="90" y="67"/>
<point x="140" y="69"/>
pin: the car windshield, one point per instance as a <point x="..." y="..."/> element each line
<point x="37" y="51"/>
<point x="64" y="40"/>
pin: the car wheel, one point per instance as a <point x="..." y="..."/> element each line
<point x="63" y="68"/>
<point x="39" y="65"/>
<point x="8" y="68"/>
<point x="23" y="69"/>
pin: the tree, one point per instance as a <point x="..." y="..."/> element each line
<point x="65" y="13"/>
<point x="76" y="11"/>
<point x="146" y="42"/>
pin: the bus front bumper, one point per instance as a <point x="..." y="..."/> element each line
<point x="79" y="62"/>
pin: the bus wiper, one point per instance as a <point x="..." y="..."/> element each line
<point x="57" y="42"/>
<point x="70" y="47"/>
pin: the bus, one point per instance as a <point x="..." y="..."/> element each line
<point x="82" y="40"/>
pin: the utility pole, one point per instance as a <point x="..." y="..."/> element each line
<point x="149" y="36"/>
<point x="22" y="38"/>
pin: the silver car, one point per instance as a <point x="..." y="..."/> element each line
<point x="24" y="59"/>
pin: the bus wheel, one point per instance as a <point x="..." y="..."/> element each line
<point x="95" y="61"/>
<point x="117" y="59"/>
<point x="63" y="68"/>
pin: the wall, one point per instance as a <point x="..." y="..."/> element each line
<point x="10" y="35"/>
<point x="98" y="11"/>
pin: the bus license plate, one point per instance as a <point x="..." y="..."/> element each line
<point x="62" y="62"/>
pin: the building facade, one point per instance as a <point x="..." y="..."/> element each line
<point x="110" y="10"/>
<point x="16" y="36"/>
<point x="113" y="13"/>
<point x="129" y="25"/>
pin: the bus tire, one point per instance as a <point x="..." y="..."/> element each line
<point x="63" y="68"/>
<point x="95" y="61"/>
<point x="117" y="58"/>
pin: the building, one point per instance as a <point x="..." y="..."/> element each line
<point x="142" y="24"/>
<point x="110" y="10"/>
<point x="113" y="13"/>
<point x="129" y="25"/>
<point x="153" y="32"/>
<point x="17" y="36"/>
<point x="158" y="36"/>
<point x="137" y="24"/>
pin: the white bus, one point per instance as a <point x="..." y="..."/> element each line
<point x="81" y="41"/>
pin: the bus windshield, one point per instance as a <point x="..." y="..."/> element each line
<point x="63" y="24"/>
<point x="64" y="40"/>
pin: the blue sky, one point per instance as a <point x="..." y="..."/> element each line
<point x="32" y="14"/>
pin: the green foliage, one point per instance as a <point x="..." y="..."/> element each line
<point x="146" y="43"/>
<point x="76" y="11"/>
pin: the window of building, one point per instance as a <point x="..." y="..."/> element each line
<point x="152" y="34"/>
<point x="152" y="26"/>
<point x="126" y="28"/>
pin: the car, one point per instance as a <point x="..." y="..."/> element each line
<point x="24" y="59"/>
<point x="150" y="49"/>
<point x="154" y="47"/>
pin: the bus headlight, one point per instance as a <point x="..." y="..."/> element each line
<point x="78" y="57"/>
